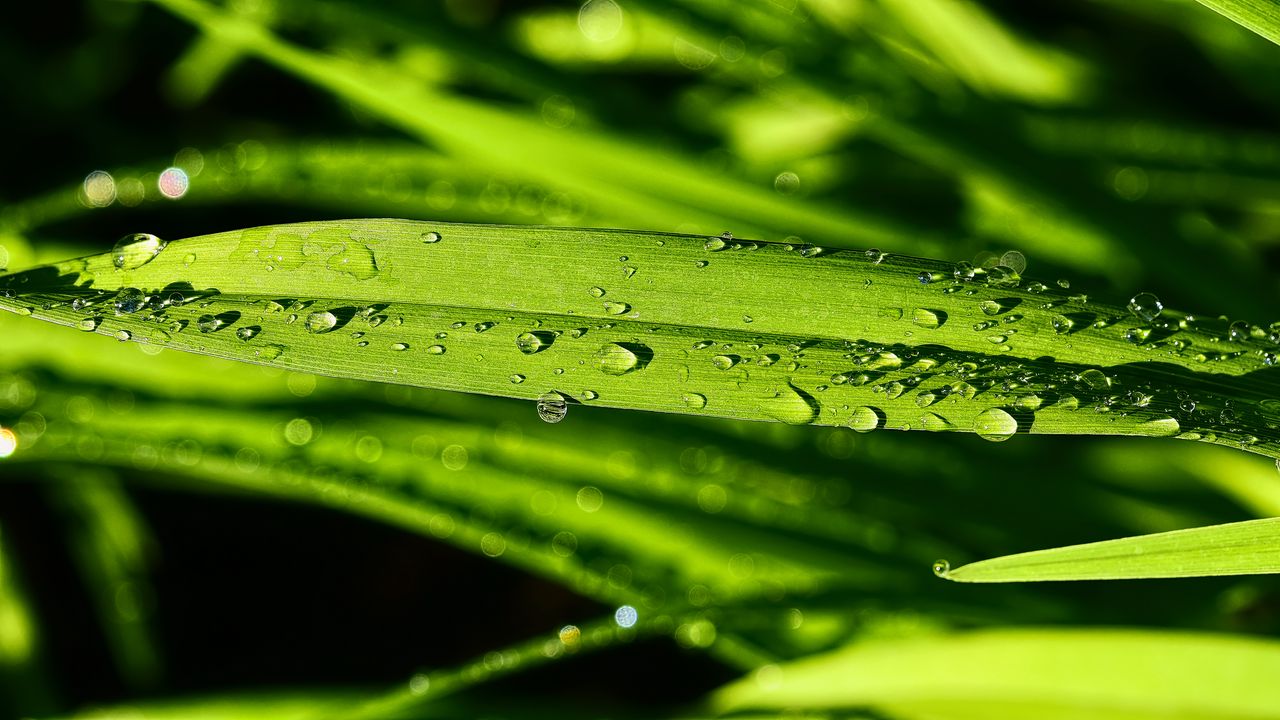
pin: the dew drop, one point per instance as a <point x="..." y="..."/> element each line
<point x="791" y="405"/>
<point x="552" y="407"/>
<point x="1160" y="427"/>
<point x="596" y="292"/>
<point x="133" y="251"/>
<point x="724" y="362"/>
<point x="246" y="333"/>
<point x="208" y="323"/>
<point x="129" y="301"/>
<point x="430" y="238"/>
<point x="715" y="244"/>
<point x="123" y="335"/>
<point x="1062" y="324"/>
<point x="1014" y="260"/>
<point x="435" y="350"/>
<point x="1095" y="379"/>
<point x="321" y="321"/>
<point x="995" y="424"/>
<point x="534" y="342"/>
<point x="697" y="401"/>
<point x="865" y="419"/>
<point x="616" y="308"/>
<point x="991" y="307"/>
<point x="1145" y="306"/>
<point x="516" y="378"/>
<point x="589" y="394"/>
<point x="875" y="255"/>
<point x="1137" y="336"/>
<point x="89" y="324"/>
<point x="927" y="318"/>
<point x="399" y="347"/>
<point x="933" y="422"/>
<point x="941" y="568"/>
<point x="620" y="359"/>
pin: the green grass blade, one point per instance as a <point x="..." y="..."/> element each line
<point x="114" y="549"/>
<point x="1242" y="548"/>
<point x="1058" y="674"/>
<point x="681" y="324"/>
<point x="1260" y="16"/>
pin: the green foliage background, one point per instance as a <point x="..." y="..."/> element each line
<point x="186" y="537"/>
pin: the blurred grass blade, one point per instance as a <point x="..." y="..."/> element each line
<point x="113" y="548"/>
<point x="1075" y="674"/>
<point x="682" y="324"/>
<point x="1260" y="16"/>
<point x="1242" y="548"/>
<point x="24" y="687"/>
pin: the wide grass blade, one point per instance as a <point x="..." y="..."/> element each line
<point x="1242" y="548"/>
<point x="1057" y="674"/>
<point x="1260" y="16"/>
<point x="683" y="324"/>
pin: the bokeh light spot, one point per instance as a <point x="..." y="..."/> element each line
<point x="626" y="616"/>
<point x="173" y="183"/>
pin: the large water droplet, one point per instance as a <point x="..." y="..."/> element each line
<point x="1160" y="427"/>
<point x="1062" y="324"/>
<point x="1014" y="260"/>
<point x="1146" y="306"/>
<point x="866" y="419"/>
<point x="1095" y="379"/>
<point x="724" y="362"/>
<point x="208" y="323"/>
<point x="246" y="333"/>
<point x="791" y="405"/>
<point x="697" y="401"/>
<point x="995" y="425"/>
<point x="89" y="324"/>
<point x="134" y="251"/>
<point x="128" y="301"/>
<point x="552" y="407"/>
<point x="934" y="422"/>
<point x="941" y="568"/>
<point x="534" y="342"/>
<point x="616" y="308"/>
<point x="321" y="321"/>
<point x="930" y="319"/>
<point x="622" y="358"/>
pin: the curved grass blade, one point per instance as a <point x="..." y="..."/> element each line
<point x="1250" y="547"/>
<point x="693" y="325"/>
<point x="113" y="548"/>
<point x="1260" y="16"/>
<point x="1059" y="674"/>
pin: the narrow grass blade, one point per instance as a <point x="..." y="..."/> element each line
<point x="1260" y="16"/>
<point x="1244" y="548"/>
<point x="694" y="325"/>
<point x="1060" y="674"/>
<point x="113" y="548"/>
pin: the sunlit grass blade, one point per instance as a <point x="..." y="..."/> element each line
<point x="695" y="325"/>
<point x="1242" y="548"/>
<point x="1260" y="16"/>
<point x="1017" y="674"/>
